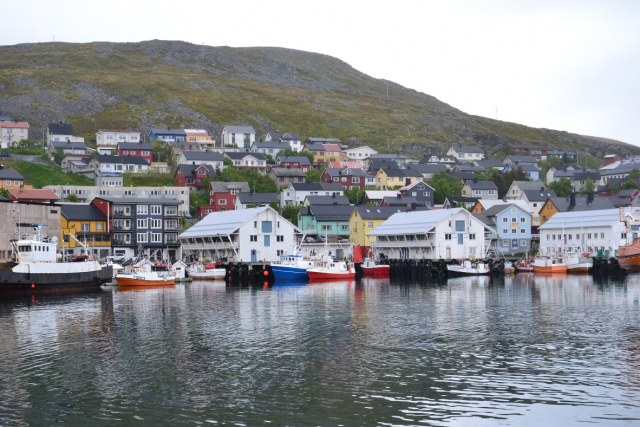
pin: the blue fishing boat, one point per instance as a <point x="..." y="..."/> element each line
<point x="292" y="267"/>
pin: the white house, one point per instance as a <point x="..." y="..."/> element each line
<point x="107" y="139"/>
<point x="584" y="231"/>
<point x="480" y="189"/>
<point x="359" y="154"/>
<point x="295" y="193"/>
<point x="466" y="153"/>
<point x="238" y="136"/>
<point x="117" y="164"/>
<point x="434" y="234"/>
<point x="248" y="235"/>
<point x="62" y="132"/>
<point x="293" y="139"/>
<point x="215" y="160"/>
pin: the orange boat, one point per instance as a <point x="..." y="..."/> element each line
<point x="141" y="276"/>
<point x="548" y="265"/>
<point x="629" y="256"/>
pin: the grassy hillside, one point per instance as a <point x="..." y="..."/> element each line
<point x="40" y="175"/>
<point x="177" y="84"/>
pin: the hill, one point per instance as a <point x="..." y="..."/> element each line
<point x="177" y="84"/>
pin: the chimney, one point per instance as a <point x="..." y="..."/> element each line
<point x="572" y="202"/>
<point x="399" y="195"/>
<point x="475" y="180"/>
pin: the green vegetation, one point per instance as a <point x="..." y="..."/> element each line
<point x="151" y="179"/>
<point x="290" y="213"/>
<point x="355" y="195"/>
<point x="40" y="175"/>
<point x="634" y="174"/>
<point x="29" y="151"/>
<point x="72" y="198"/>
<point x="445" y="186"/>
<point x="504" y="181"/>
<point x="589" y="187"/>
<point x="562" y="187"/>
<point x="313" y="175"/>
<point x="629" y="185"/>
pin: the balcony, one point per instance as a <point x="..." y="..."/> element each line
<point x="210" y="246"/>
<point x="176" y="227"/>
<point x="123" y="227"/>
<point x="171" y="213"/>
<point x="119" y="213"/>
<point x="172" y="241"/>
<point x="121" y="242"/>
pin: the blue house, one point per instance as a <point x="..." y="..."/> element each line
<point x="532" y="172"/>
<point x="167" y="134"/>
<point x="512" y="226"/>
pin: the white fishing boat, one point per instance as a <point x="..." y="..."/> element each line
<point x="468" y="268"/>
<point x="578" y="264"/>
<point x="206" y="272"/>
<point x="145" y="275"/>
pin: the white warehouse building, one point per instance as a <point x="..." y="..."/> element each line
<point x="584" y="231"/>
<point x="433" y="234"/>
<point x="248" y="235"/>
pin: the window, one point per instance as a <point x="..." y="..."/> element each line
<point x="426" y="193"/>
<point x="514" y="231"/>
<point x="472" y="237"/>
<point x="100" y="226"/>
<point x="170" y="210"/>
<point x="156" y="210"/>
<point x="522" y="219"/>
<point x="514" y="210"/>
<point x="589" y="236"/>
<point x="505" y="219"/>
<point x="255" y="224"/>
<point x="143" y="209"/>
<point x="544" y="217"/>
<point x="492" y="192"/>
<point x="523" y="231"/>
<point x="253" y="238"/>
<point x="570" y="236"/>
<point x="156" y="237"/>
<point x="505" y="231"/>
<point x="222" y="201"/>
<point x="477" y="192"/>
<point x="523" y="243"/>
<point x="266" y="226"/>
<point x="156" y="223"/>
<point x="144" y="153"/>
<point x="125" y="152"/>
<point x="279" y="238"/>
<point x="326" y="227"/>
<point x="535" y="205"/>
<point x="514" y="220"/>
<point x="143" y="237"/>
<point x="370" y="224"/>
<point x="344" y="227"/>
<point x="267" y="240"/>
<point x="602" y="235"/>
<point x="460" y="226"/>
<point x="447" y="237"/>
<point x="143" y="223"/>
<point x="472" y="251"/>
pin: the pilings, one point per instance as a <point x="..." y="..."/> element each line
<point x="437" y="268"/>
<point x="248" y="272"/>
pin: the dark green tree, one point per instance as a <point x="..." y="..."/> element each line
<point x="290" y="213"/>
<point x="445" y="186"/>
<point x="562" y="187"/>
<point x="355" y="195"/>
<point x="72" y="198"/>
<point x="628" y="185"/>
<point x="635" y="173"/>
<point x="588" y="188"/>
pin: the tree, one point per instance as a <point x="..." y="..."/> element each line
<point x="270" y="160"/>
<point x="554" y="160"/>
<point x="629" y="185"/>
<point x="290" y="213"/>
<point x="4" y="193"/>
<point x="58" y="155"/>
<point x="313" y="175"/>
<point x="355" y="195"/>
<point x="589" y="187"/>
<point x="544" y="166"/>
<point x="616" y="187"/>
<point x="445" y="186"/>
<point x="161" y="151"/>
<point x="275" y="206"/>
<point x="562" y="187"/>
<point x="635" y="173"/>
<point x="72" y="198"/>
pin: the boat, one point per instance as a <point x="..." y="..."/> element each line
<point x="292" y="267"/>
<point x="468" y="268"/>
<point x="371" y="268"/>
<point x="548" y="265"/>
<point x="331" y="269"/>
<point x="523" y="266"/>
<point x="629" y="256"/>
<point x="145" y="275"/>
<point x="36" y="266"/>
<point x="578" y="264"/>
<point x="209" y="271"/>
<point x="509" y="268"/>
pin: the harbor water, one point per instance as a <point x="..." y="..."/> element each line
<point x="473" y="351"/>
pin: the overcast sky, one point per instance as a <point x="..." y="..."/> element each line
<point x="567" y="65"/>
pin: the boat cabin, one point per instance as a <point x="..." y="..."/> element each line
<point x="36" y="251"/>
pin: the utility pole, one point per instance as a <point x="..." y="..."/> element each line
<point x="496" y="113"/>
<point x="53" y="44"/>
<point x="203" y="51"/>
<point x="387" y="90"/>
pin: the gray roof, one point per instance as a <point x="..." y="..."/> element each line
<point x="124" y="160"/>
<point x="239" y="155"/>
<point x="10" y="174"/>
<point x="377" y="212"/>
<point x="454" y="201"/>
<point x="223" y="187"/>
<point x="274" y="143"/>
<point x="317" y="186"/>
<point x="138" y="201"/>
<point x="406" y="173"/>
<point x="246" y="198"/>
<point x="622" y="169"/>
<point x="582" y="204"/>
<point x="538" y="196"/>
<point x="67" y="144"/>
<point x="240" y="129"/>
<point x="202" y="156"/>
<point x="82" y="212"/>
<point x="482" y="185"/>
<point x="223" y="223"/>
<point x="388" y="156"/>
<point x="626" y="193"/>
<point x="580" y="175"/>
<point x="354" y="172"/>
<point x="492" y="163"/>
<point x="322" y="140"/>
<point x="288" y="172"/>
<point x="190" y="170"/>
<point x="379" y="164"/>
<point x="592" y="218"/>
<point x="401" y="201"/>
<point x="327" y="200"/>
<point x="331" y="212"/>
<point x="530" y="185"/>
<point x="499" y="208"/>
<point x="467" y="148"/>
<point x="135" y="146"/>
<point x="469" y="168"/>
<point x="428" y="168"/>
<point x="60" y="129"/>
<point x="521" y="159"/>
<point x="413" y="222"/>
<point x="526" y="167"/>
<point x="167" y="131"/>
<point x="313" y="146"/>
<point x="303" y="160"/>
<point x="285" y="135"/>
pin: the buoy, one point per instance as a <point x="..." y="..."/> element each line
<point x="33" y="286"/>
<point x="266" y="273"/>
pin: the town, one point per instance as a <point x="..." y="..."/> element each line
<point x="236" y="198"/>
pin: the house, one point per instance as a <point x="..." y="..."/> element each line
<point x="572" y="203"/>
<point x="68" y="147"/>
<point x="222" y="195"/>
<point x="215" y="160"/>
<point x="11" y="133"/>
<point x="480" y="189"/>
<point x="107" y="140"/>
<point x="373" y="166"/>
<point x="144" y="150"/>
<point x="431" y="234"/>
<point x="32" y="195"/>
<point x="629" y="195"/>
<point x="535" y="199"/>
<point x="580" y="178"/>
<point x="482" y="205"/>
<point x="62" y="132"/>
<point x="539" y="153"/>
<point x="243" y="160"/>
<point x="588" y="231"/>
<point x="74" y="162"/>
<point x="272" y="148"/>
<point x="449" y="161"/>
<point x="318" y="151"/>
<point x="397" y="158"/>
<point x="347" y="177"/>
<point x="610" y="158"/>
<point x="399" y="200"/>
<point x="375" y="197"/>
<point x="238" y="136"/>
<point x="459" y="202"/>
<point x="363" y="219"/>
<point x="496" y="164"/>
<point x="512" y="226"/>
<point x="463" y="176"/>
<point x="248" y="235"/>
<point x="326" y="200"/>
<point x="200" y="137"/>
<point x="514" y="160"/>
<point x="465" y="153"/>
<point x="521" y="149"/>
<point x="429" y="159"/>
<point x="296" y="193"/>
<point x="147" y="227"/>
<point x="193" y="176"/>
<point x="168" y="135"/>
<point x="293" y="139"/>
<point x="468" y="168"/>
<point x="11" y="178"/>
<point x="254" y="200"/>
<point x="88" y="225"/>
<point x="345" y="164"/>
<point x="555" y="173"/>
<point x="424" y="194"/>
<point x="515" y="191"/>
<point x="284" y="176"/>
<point x="359" y="154"/>
<point x="298" y="162"/>
<point x="427" y="170"/>
<point x="177" y="148"/>
<point x="571" y="157"/>
<point x="325" y="220"/>
<point x="116" y="164"/>
<point x="620" y="172"/>
<point x="390" y="178"/>
<point x="531" y="171"/>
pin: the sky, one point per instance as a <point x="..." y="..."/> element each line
<point x="566" y="65"/>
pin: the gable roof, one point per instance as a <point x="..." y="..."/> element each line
<point x="317" y="186"/>
<point x="389" y="156"/>
<point x="413" y="184"/>
<point x="338" y="172"/>
<point x="239" y="129"/>
<point x="303" y="160"/>
<point x="223" y="187"/>
<point x="239" y="155"/>
<point x="202" y="156"/>
<point x="467" y="149"/>
<point x="190" y="170"/>
<point x="492" y="163"/>
<point x="274" y="143"/>
<point x="489" y="203"/>
<point x="147" y="146"/>
<point x="331" y="212"/>
<point x="69" y="144"/>
<point x="401" y="200"/>
<point x="538" y="196"/>
<point x="429" y="168"/>
<point x="592" y="218"/>
<point x="246" y="198"/>
<point x="414" y="222"/>
<point x="124" y="160"/>
<point x="81" y="212"/>
<point x="521" y="159"/>
<point x="529" y="185"/>
<point x="288" y="172"/>
<point x="580" y="175"/>
<point x="43" y="194"/>
<point x="222" y="223"/>
<point x="322" y="140"/>
<point x="582" y="204"/>
<point x="499" y="208"/>
<point x="60" y="128"/>
<point x="167" y="131"/>
<point x="314" y="146"/>
<point x="345" y="164"/>
<point x="377" y="212"/>
<point x="284" y="135"/>
<point x="482" y="185"/>
<point x="332" y="147"/>
<point x="14" y="125"/>
<point x="10" y="174"/>
<point x="327" y="200"/>
<point x="379" y="194"/>
<point x="379" y="164"/>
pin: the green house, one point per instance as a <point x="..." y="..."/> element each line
<point x="330" y="220"/>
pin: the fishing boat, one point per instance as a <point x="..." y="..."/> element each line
<point x="372" y="268"/>
<point x="292" y="267"/>
<point x="331" y="269"/>
<point x="548" y="265"/>
<point x="509" y="268"/>
<point x="523" y="265"/>
<point x="468" y="268"/>
<point x="578" y="264"/>
<point x="144" y="275"/>
<point x="36" y="265"/>
<point x="629" y="256"/>
<point x="209" y="271"/>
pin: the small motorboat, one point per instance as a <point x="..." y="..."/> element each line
<point x="523" y="266"/>
<point x="292" y="267"/>
<point x="509" y="268"/>
<point x="548" y="265"/>
<point x="468" y="268"/>
<point x="371" y="268"/>
<point x="211" y="271"/>
<point x="578" y="264"/>
<point x="145" y="275"/>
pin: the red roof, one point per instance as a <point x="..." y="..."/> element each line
<point x="350" y="165"/>
<point x="14" y="125"/>
<point x="33" y="194"/>
<point x="332" y="147"/>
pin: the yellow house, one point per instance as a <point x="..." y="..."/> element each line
<point x="85" y="223"/>
<point x="11" y="178"/>
<point x="324" y="153"/>
<point x="391" y="178"/>
<point x="363" y="219"/>
<point x="548" y="210"/>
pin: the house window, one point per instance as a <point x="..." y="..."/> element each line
<point x="544" y="217"/>
<point x="514" y="220"/>
<point x="344" y="227"/>
<point x="514" y="210"/>
<point x="156" y="210"/>
<point x="589" y="236"/>
<point x="492" y="192"/>
<point x="222" y="201"/>
<point x="100" y="226"/>
<point x="477" y="192"/>
<point x="505" y="231"/>
<point x="472" y="237"/>
<point x="86" y="227"/>
<point x="267" y="240"/>
<point x="170" y="210"/>
<point x="143" y="237"/>
<point x="253" y="238"/>
<point x="144" y="153"/>
<point x="370" y="224"/>
<point x="523" y="231"/>
<point x="156" y="223"/>
<point x="460" y="226"/>
<point x="426" y="193"/>
<point x="143" y="209"/>
<point x="143" y="223"/>
<point x="156" y="237"/>
<point x="266" y="226"/>
<point x="447" y="237"/>
<point x="125" y="152"/>
<point x="279" y="238"/>
<point x="522" y="219"/>
<point x="523" y="243"/>
<point x="514" y="231"/>
<point x="326" y="227"/>
<point x="505" y="219"/>
<point x="602" y="235"/>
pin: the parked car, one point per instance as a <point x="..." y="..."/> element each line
<point x="309" y="239"/>
<point x="116" y="258"/>
<point x="5" y="154"/>
<point x="343" y="241"/>
<point x="322" y="238"/>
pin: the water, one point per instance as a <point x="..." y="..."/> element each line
<point x="526" y="351"/>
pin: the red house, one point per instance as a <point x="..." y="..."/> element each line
<point x="296" y="162"/>
<point x="136" y="149"/>
<point x="222" y="195"/>
<point x="32" y="195"/>
<point x="348" y="178"/>
<point x="192" y="175"/>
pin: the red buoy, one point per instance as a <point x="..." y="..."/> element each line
<point x="33" y="286"/>
<point x="266" y="273"/>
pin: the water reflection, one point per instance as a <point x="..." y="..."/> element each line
<point x="520" y="350"/>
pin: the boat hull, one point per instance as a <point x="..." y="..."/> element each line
<point x="557" y="268"/>
<point x="629" y="262"/>
<point x="326" y="275"/>
<point x="213" y="274"/>
<point x="132" y="281"/>
<point x="377" y="271"/>
<point x="289" y="272"/>
<point x="16" y="283"/>
<point x="468" y="272"/>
